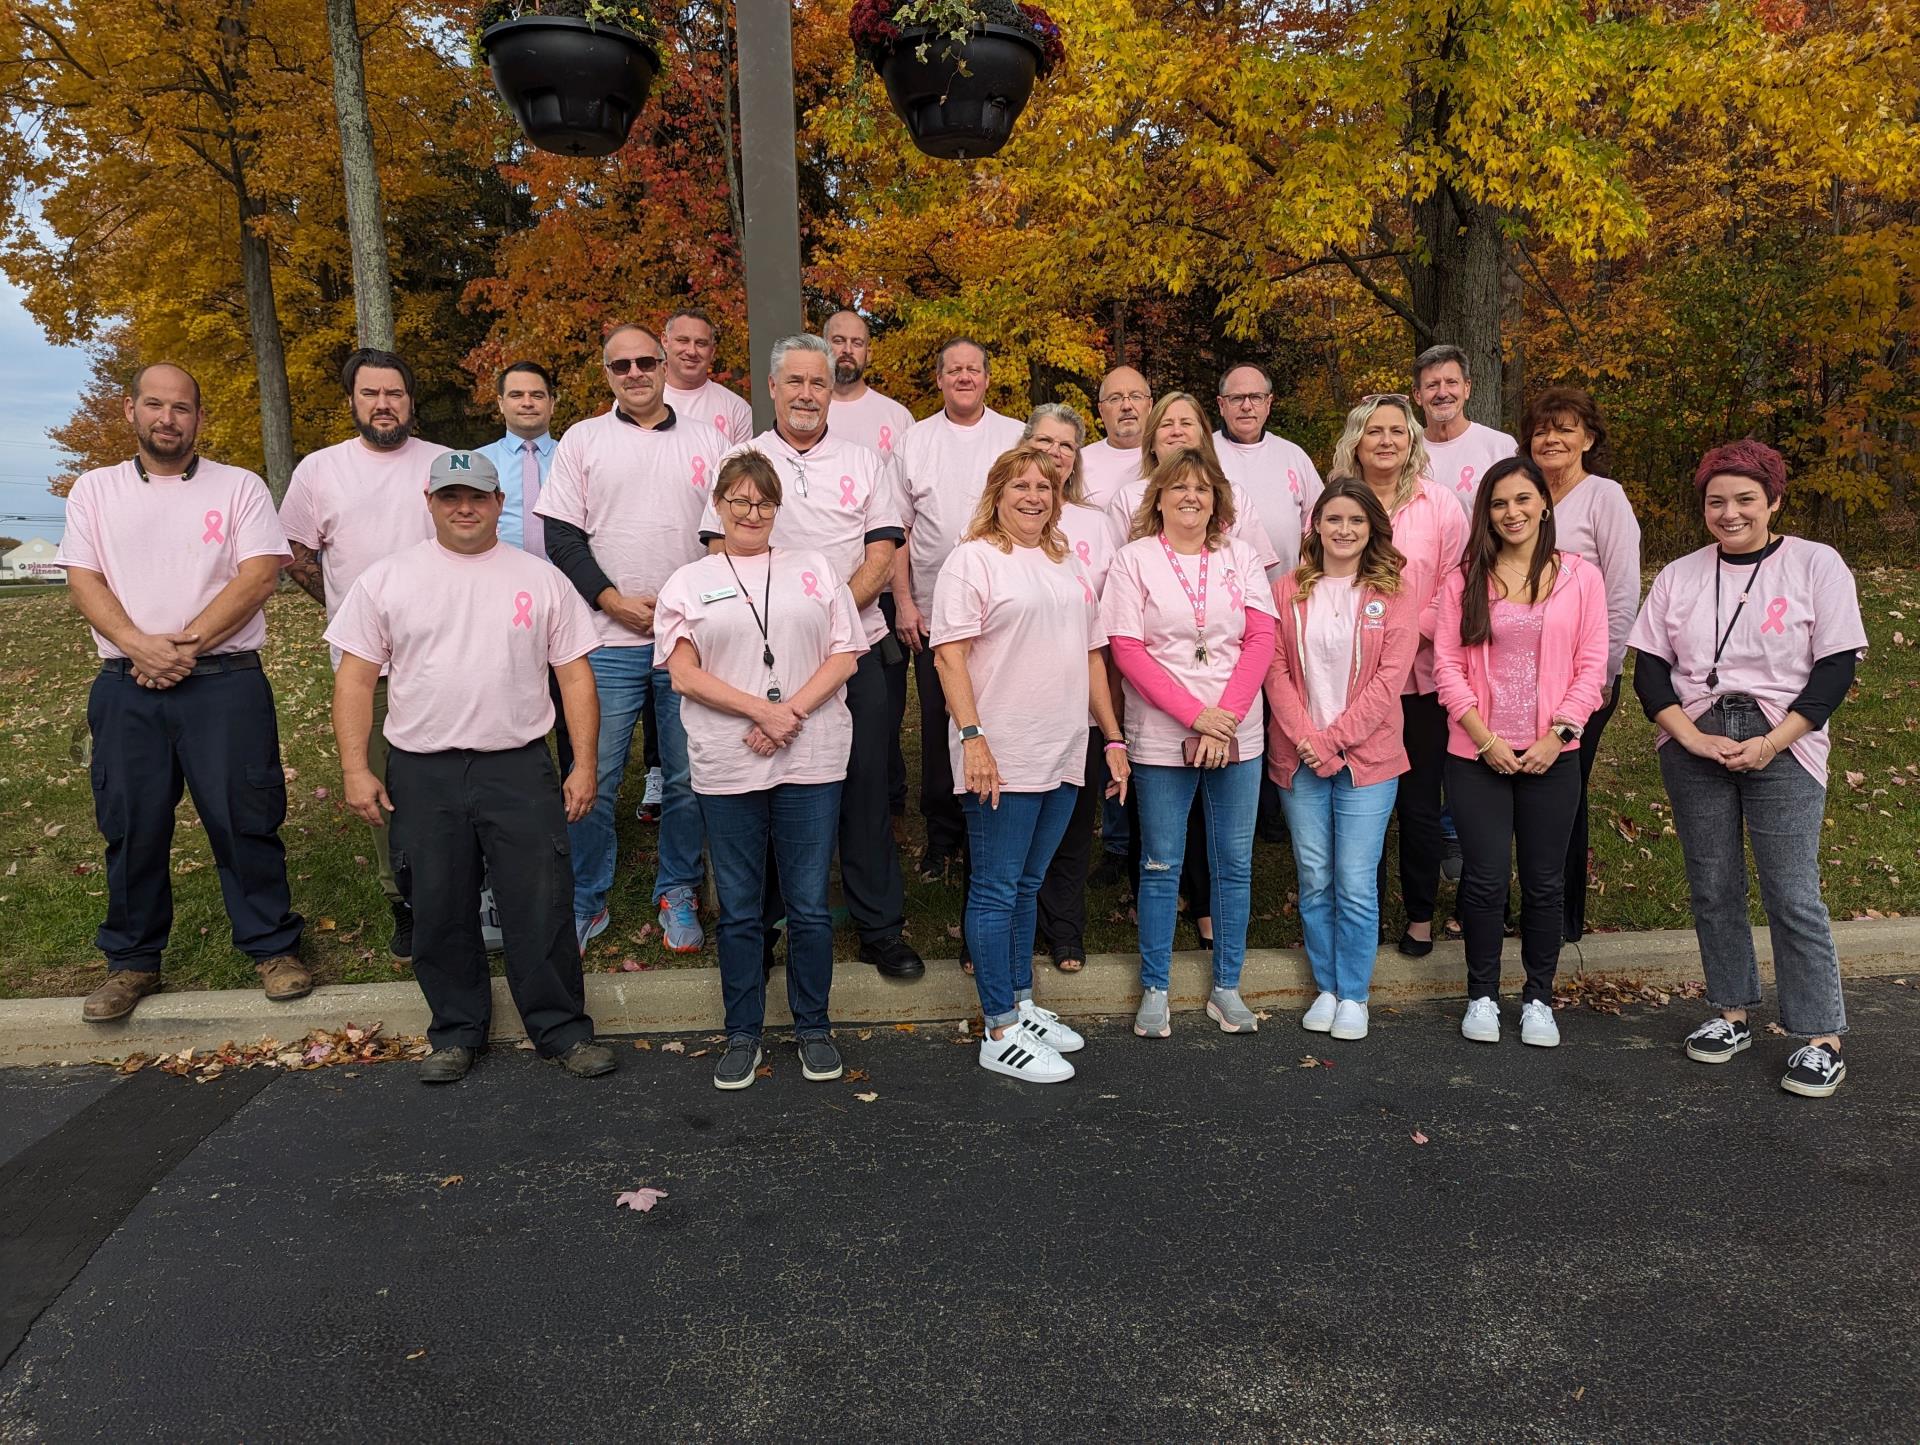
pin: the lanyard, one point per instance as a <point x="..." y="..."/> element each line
<point x="1196" y="600"/>
<point x="766" y="601"/>
<point x="1713" y="668"/>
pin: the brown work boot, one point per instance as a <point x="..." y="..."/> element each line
<point x="284" y="978"/>
<point x="115" y="998"/>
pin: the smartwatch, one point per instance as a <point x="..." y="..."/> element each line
<point x="969" y="733"/>
<point x="1567" y="733"/>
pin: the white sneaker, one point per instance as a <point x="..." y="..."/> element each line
<point x="1022" y="1056"/>
<point x="1482" y="1023"/>
<point x="1350" y="1020"/>
<point x="1537" y="1026"/>
<point x="1044" y="1024"/>
<point x="1319" y="1018"/>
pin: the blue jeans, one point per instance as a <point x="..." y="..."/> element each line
<point x="1338" y="831"/>
<point x="801" y="820"/>
<point x="625" y="679"/>
<point x="1011" y="846"/>
<point x="1230" y="797"/>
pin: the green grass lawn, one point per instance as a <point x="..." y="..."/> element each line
<point x="52" y="889"/>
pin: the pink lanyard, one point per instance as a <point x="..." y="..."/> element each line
<point x="1197" y="600"/>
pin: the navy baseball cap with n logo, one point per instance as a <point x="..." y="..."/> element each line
<point x="463" y="469"/>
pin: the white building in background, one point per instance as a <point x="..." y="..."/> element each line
<point x="32" y="561"/>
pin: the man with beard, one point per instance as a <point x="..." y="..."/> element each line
<point x="171" y="557"/>
<point x="840" y="499"/>
<point x="715" y="417"/>
<point x="1109" y="464"/>
<point x="1458" y="451"/>
<point x="348" y="506"/>
<point x="863" y="415"/>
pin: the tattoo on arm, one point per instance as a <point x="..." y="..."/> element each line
<point x="305" y="571"/>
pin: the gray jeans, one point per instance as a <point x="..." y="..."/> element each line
<point x="1781" y="808"/>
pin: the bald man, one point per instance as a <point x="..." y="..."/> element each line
<point x="1109" y="464"/>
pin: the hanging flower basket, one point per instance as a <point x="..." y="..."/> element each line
<point x="958" y="72"/>
<point x="574" y="73"/>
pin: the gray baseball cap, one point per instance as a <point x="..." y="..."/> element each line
<point x="463" y="469"/>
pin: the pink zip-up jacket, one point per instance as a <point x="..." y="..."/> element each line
<point x="1430" y="531"/>
<point x="1573" y="654"/>
<point x="1365" y="738"/>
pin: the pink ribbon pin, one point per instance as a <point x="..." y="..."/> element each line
<point x="846" y="493"/>
<point x="886" y="438"/>
<point x="523" y="610"/>
<point x="1084" y="553"/>
<point x="1776" y="617"/>
<point x="810" y="584"/>
<point x="699" y="474"/>
<point x="213" y="532"/>
<point x="1466" y="479"/>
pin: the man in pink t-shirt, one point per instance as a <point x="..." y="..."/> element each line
<point x="1458" y="451"/>
<point x="466" y="628"/>
<point x="348" y="506"/>
<point x="1277" y="474"/>
<point x="1109" y="464"/>
<point x="716" y="418"/>
<point x="944" y="464"/>
<point x="171" y="557"/>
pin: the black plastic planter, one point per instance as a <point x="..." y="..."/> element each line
<point x="955" y="115"/>
<point x="576" y="88"/>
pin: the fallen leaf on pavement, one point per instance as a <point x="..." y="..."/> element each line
<point x="865" y="1034"/>
<point x="903" y="1028"/>
<point x="525" y="1045"/>
<point x="1418" y="1137"/>
<point x="453" y="1179"/>
<point x="673" y="1047"/>
<point x="1776" y="1030"/>
<point x="765" y="1071"/>
<point x="866" y="1098"/>
<point x="699" y="1053"/>
<point x="1308" y="1061"/>
<point x="856" y="1076"/>
<point x="1577" y="1394"/>
<point x="415" y="1354"/>
<point x="639" y="1200"/>
<point x="643" y="1045"/>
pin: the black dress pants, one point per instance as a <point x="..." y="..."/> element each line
<point x="939" y="804"/>
<point x="1417" y="805"/>
<point x="1063" y="892"/>
<point x="454" y="813"/>
<point x="1580" y="841"/>
<point x="894" y="663"/>
<point x="870" y="875"/>
<point x="215" y="733"/>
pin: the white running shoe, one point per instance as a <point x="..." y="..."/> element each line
<point x="1022" y="1056"/>
<point x="1044" y="1024"/>
<point x="1537" y="1026"/>
<point x="1319" y="1018"/>
<point x="1482" y="1023"/>
<point x="1350" y="1020"/>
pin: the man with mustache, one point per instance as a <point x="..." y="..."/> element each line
<point x="840" y="499"/>
<point x="171" y="557"/>
<point x="1109" y="464"/>
<point x="348" y="506"/>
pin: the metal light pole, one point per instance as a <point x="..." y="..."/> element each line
<point x="769" y="177"/>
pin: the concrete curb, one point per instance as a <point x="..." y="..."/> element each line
<point x="687" y="1000"/>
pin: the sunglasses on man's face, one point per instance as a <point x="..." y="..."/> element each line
<point x="645" y="365"/>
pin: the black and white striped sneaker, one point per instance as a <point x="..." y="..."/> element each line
<point x="1718" y="1040"/>
<point x="1021" y="1056"/>
<point x="1045" y="1025"/>
<point x="1814" y="1071"/>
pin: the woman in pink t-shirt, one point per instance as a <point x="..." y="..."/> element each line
<point x="1346" y="640"/>
<point x="1190" y="616"/>
<point x="1016" y="635"/>
<point x="1381" y="448"/>
<point x="1746" y="647"/>
<point x="1518" y="658"/>
<point x="759" y="644"/>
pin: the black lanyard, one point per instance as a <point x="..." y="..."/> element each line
<point x="1713" y="669"/>
<point x="766" y="645"/>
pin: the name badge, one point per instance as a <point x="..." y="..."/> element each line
<point x="720" y="594"/>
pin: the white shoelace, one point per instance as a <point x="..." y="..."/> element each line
<point x="1815" y="1056"/>
<point x="1715" y="1029"/>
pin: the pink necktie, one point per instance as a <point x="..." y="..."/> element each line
<point x="533" y="531"/>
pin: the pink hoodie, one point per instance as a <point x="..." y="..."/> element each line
<point x="1365" y="738"/>
<point x="1431" y="533"/>
<point x="1573" y="654"/>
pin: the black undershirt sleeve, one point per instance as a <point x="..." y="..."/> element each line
<point x="1653" y="684"/>
<point x="1826" y="687"/>
<point x="569" y="550"/>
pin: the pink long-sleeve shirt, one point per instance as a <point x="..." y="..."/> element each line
<point x="1595" y="521"/>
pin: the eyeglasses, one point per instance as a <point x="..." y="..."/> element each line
<point x="645" y="365"/>
<point x="743" y="508"/>
<point x="1138" y="398"/>
<point x="1245" y="398"/>
<point x="1386" y="396"/>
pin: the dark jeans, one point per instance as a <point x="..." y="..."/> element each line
<point x="1579" y="843"/>
<point x="1500" y="815"/>
<point x="1424" y="731"/>
<point x="869" y="858"/>
<point x="1063" y="892"/>
<point x="896" y="674"/>
<point x="939" y="804"/>
<point x="453" y="813"/>
<point x="216" y="734"/>
<point x="1779" y="809"/>
<point x="797" y="821"/>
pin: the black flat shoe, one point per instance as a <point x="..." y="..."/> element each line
<point x="1414" y="947"/>
<point x="894" y="957"/>
<point x="446" y="1066"/>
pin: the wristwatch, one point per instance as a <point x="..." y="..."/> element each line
<point x="969" y="733"/>
<point x="1567" y="733"/>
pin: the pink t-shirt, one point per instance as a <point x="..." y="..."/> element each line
<point x="809" y="616"/>
<point x="1281" y="480"/>
<point x="1090" y="539"/>
<point x="1458" y="465"/>
<point x="1032" y="621"/>
<point x="1803" y="607"/>
<point x="1431" y="536"/>
<point x="354" y="504"/>
<point x="1144" y="600"/>
<point x="467" y="642"/>
<point x="1595" y="521"/>
<point x="944" y="471"/>
<point x="639" y="495"/>
<point x="716" y="419"/>
<point x="1248" y="525"/>
<point x="1106" y="468"/>
<point x="872" y="420"/>
<point x="1326" y="647"/>
<point x="168" y="546"/>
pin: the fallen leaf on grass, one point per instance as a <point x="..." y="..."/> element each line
<point x="673" y="1047"/>
<point x="866" y="1098"/>
<point x="54" y="830"/>
<point x="1418" y="1137"/>
<point x="639" y="1200"/>
<point x="325" y="925"/>
<point x="453" y="1179"/>
<point x="320" y="794"/>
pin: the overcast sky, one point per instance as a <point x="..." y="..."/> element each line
<point x="39" y="385"/>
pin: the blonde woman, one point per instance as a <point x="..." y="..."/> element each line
<point x="1016" y="637"/>
<point x="1177" y="422"/>
<point x="1381" y="449"/>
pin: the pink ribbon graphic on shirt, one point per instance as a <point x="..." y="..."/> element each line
<point x="213" y="532"/>
<point x="1086" y="586"/>
<point x="810" y="584"/>
<point x="699" y="474"/>
<point x="1776" y="617"/>
<point x="847" y="498"/>
<point x="1084" y="553"/>
<point x="1234" y="594"/>
<point x="1293" y="482"/>
<point x="523" y="610"/>
<point x="720" y="422"/>
<point x="1466" y="479"/>
<point x="886" y="438"/>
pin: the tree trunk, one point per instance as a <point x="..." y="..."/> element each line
<point x="1456" y="289"/>
<point x="366" y="223"/>
<point x="269" y="350"/>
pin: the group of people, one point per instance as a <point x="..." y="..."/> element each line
<point x="1164" y="641"/>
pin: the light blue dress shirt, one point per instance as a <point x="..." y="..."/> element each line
<point x="505" y="455"/>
